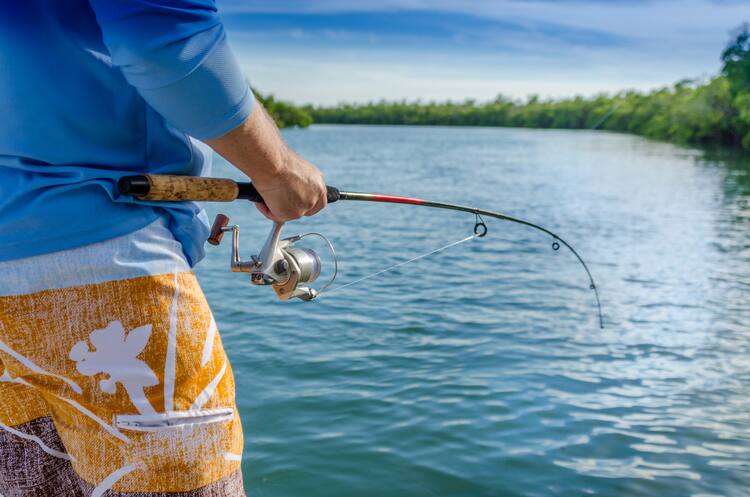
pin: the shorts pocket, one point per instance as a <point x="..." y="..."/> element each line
<point x="173" y="419"/>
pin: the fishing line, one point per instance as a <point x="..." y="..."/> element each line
<point x="397" y="265"/>
<point x="606" y="116"/>
<point x="480" y="226"/>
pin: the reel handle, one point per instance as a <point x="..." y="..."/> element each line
<point x="171" y="188"/>
<point x="217" y="229"/>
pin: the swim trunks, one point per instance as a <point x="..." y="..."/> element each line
<point x="113" y="378"/>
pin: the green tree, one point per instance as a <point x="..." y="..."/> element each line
<point x="283" y="113"/>
<point x="736" y="59"/>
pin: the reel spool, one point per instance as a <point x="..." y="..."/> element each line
<point x="280" y="264"/>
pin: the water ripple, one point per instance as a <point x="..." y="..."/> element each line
<point x="481" y="371"/>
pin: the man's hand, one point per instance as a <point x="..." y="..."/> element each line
<point x="290" y="186"/>
<point x="297" y="191"/>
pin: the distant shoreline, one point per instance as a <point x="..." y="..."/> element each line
<point x="709" y="112"/>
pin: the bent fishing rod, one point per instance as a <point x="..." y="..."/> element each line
<point x="280" y="263"/>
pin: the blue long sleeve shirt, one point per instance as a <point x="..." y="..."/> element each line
<point x="91" y="90"/>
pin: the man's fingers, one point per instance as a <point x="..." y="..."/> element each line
<point x="263" y="208"/>
<point x="294" y="196"/>
<point x="322" y="201"/>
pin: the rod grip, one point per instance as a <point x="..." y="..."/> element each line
<point x="170" y="188"/>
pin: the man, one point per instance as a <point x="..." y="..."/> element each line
<point x="113" y="380"/>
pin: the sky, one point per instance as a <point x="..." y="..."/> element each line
<point x="331" y="51"/>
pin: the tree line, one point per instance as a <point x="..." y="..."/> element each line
<point x="285" y="114"/>
<point x="713" y="111"/>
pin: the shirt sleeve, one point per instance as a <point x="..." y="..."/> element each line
<point x="175" y="53"/>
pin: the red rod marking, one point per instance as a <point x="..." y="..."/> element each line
<point x="398" y="200"/>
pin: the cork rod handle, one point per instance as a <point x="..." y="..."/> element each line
<point x="175" y="188"/>
<point x="168" y="188"/>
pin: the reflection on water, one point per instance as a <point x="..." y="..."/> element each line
<point x="482" y="371"/>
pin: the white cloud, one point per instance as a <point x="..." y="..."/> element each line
<point x="667" y="40"/>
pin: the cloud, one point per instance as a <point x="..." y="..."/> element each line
<point x="420" y="29"/>
<point x="623" y="17"/>
<point x="475" y="48"/>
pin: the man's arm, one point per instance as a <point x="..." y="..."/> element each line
<point x="175" y="54"/>
<point x="290" y="186"/>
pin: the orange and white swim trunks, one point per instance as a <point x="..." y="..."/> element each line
<point x="113" y="378"/>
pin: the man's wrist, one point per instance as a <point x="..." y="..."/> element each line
<point x="256" y="147"/>
<point x="270" y="168"/>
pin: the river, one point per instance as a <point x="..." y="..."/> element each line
<point x="481" y="370"/>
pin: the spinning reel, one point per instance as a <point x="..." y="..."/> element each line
<point x="281" y="264"/>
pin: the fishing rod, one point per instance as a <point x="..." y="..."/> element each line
<point x="280" y="263"/>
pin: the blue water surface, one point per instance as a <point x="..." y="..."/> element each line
<point x="481" y="370"/>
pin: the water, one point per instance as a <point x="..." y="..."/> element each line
<point x="481" y="371"/>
